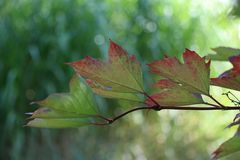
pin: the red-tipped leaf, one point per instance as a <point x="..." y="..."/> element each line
<point x="119" y="77"/>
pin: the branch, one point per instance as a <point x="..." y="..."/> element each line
<point x="156" y="108"/>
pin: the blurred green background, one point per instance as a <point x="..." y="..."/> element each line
<point x="37" y="37"/>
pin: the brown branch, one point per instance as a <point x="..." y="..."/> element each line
<point x="201" y="108"/>
<point x="156" y="108"/>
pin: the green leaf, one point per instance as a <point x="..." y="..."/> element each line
<point x="79" y="100"/>
<point x="119" y="77"/>
<point x="45" y="112"/>
<point x="113" y="94"/>
<point x="223" y="53"/>
<point x="227" y="148"/>
<point x="58" y="123"/>
<point x="73" y="109"/>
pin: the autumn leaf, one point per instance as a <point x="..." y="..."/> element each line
<point x="120" y="77"/>
<point x="61" y="110"/>
<point x="231" y="78"/>
<point x="173" y="94"/>
<point x="184" y="82"/>
<point x="223" y="53"/>
<point x="193" y="74"/>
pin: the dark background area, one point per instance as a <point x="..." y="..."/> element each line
<point x="38" y="37"/>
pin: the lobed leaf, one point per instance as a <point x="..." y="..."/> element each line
<point x="231" y="78"/>
<point x="73" y="109"/>
<point x="193" y="74"/>
<point x="184" y="82"/>
<point x="119" y="77"/>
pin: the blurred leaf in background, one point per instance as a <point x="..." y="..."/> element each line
<point x="236" y="8"/>
<point x="38" y="37"/>
<point x="223" y="53"/>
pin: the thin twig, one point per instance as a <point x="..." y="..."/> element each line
<point x="237" y="103"/>
<point x="234" y="96"/>
<point x="220" y="105"/>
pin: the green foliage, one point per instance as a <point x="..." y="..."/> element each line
<point x="184" y="84"/>
<point x="38" y="37"/>
<point x="73" y="109"/>
<point x="236" y="8"/>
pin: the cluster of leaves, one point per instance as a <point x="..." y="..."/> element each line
<point x="181" y="84"/>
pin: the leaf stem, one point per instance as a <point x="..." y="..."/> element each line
<point x="102" y="117"/>
<point x="220" y="105"/>
<point x="155" y="102"/>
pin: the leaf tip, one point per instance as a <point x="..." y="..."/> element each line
<point x="112" y="43"/>
<point x="68" y="63"/>
<point x="34" y="102"/>
<point x="189" y="53"/>
<point x="29" y="113"/>
<point x="188" y="50"/>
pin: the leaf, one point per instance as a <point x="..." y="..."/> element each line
<point x="227" y="148"/>
<point x="184" y="82"/>
<point x="173" y="94"/>
<point x="231" y="78"/>
<point x="223" y="53"/>
<point x="236" y="121"/>
<point x="73" y="109"/>
<point x="58" y="122"/>
<point x="119" y="77"/>
<point x="45" y="112"/>
<point x="193" y="74"/>
<point x="98" y="89"/>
